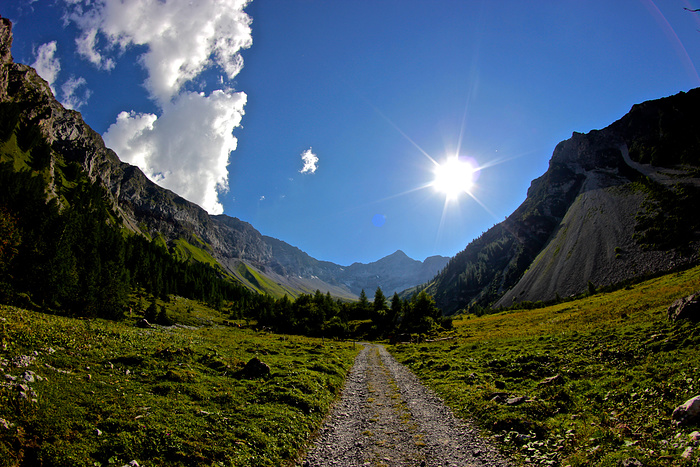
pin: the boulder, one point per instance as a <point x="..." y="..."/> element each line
<point x="687" y="412"/>
<point x="688" y="453"/>
<point x="144" y="324"/>
<point x="256" y="368"/>
<point x="685" y="308"/>
<point x="631" y="462"/>
<point x="556" y="379"/>
<point x="516" y="400"/>
<point x="31" y="377"/>
<point x="694" y="437"/>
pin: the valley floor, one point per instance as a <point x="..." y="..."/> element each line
<point x="386" y="417"/>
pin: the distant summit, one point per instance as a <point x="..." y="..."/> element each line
<point x="393" y="273"/>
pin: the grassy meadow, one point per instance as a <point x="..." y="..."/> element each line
<point x="621" y="367"/>
<point x="107" y="393"/>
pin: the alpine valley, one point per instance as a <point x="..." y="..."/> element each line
<point x="136" y="329"/>
<point x="615" y="204"/>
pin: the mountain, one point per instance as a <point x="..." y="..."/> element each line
<point x="393" y="273"/>
<point x="38" y="133"/>
<point x="614" y="205"/>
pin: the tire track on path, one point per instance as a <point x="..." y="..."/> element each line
<point x="387" y="418"/>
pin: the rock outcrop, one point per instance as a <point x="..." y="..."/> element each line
<point x="685" y="308"/>
<point x="687" y="412"/>
<point x="597" y="215"/>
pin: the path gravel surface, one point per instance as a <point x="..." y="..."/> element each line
<point x="386" y="417"/>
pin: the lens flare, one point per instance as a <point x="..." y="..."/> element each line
<point x="454" y="177"/>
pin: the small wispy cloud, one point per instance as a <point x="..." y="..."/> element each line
<point x="87" y="48"/>
<point x="71" y="97"/>
<point x="310" y="161"/>
<point x="47" y="64"/>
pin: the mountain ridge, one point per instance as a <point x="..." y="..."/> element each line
<point x="600" y="215"/>
<point x="147" y="209"/>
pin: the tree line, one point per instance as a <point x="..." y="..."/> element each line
<point x="320" y="315"/>
<point x="74" y="258"/>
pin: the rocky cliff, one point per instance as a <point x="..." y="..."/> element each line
<point x="29" y="109"/>
<point x="601" y="214"/>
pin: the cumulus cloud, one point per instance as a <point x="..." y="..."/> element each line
<point x="182" y="38"/>
<point x="310" y="161"/>
<point x="47" y="64"/>
<point x="186" y="149"/>
<point x="72" y="98"/>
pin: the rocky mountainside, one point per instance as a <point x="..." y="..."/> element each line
<point x="29" y="109"/>
<point x="614" y="205"/>
<point x="393" y="273"/>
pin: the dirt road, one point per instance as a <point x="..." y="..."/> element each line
<point x="386" y="417"/>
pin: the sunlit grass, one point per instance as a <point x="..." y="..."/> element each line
<point x="623" y="368"/>
<point x="112" y="392"/>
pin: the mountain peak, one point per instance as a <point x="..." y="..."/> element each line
<point x="399" y="254"/>
<point x="5" y="40"/>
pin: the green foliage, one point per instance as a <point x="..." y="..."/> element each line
<point x="185" y="251"/>
<point x="310" y="315"/>
<point x="380" y="312"/>
<point x="668" y="217"/>
<point x="621" y="368"/>
<point x="591" y="288"/>
<point x="10" y="239"/>
<point x="76" y="260"/>
<point x="112" y="393"/>
<point x="319" y="315"/>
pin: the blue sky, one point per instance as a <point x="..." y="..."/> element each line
<point x="321" y="122"/>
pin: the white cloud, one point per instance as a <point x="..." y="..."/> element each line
<point x="310" y="161"/>
<point x="71" y="99"/>
<point x="87" y="47"/>
<point x="47" y="64"/>
<point x="183" y="38"/>
<point x="187" y="148"/>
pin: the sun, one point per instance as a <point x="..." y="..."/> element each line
<point x="454" y="177"/>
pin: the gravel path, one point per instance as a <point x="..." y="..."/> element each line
<point x="386" y="417"/>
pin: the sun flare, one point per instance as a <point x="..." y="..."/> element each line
<point x="454" y="177"/>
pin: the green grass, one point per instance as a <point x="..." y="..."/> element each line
<point x="10" y="151"/>
<point x="261" y="284"/>
<point x="188" y="252"/>
<point x="112" y="392"/>
<point x="624" y="368"/>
